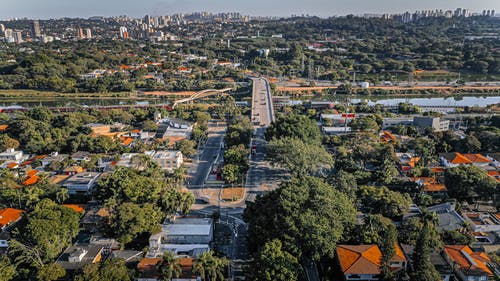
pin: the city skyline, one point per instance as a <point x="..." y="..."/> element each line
<point x="57" y="9"/>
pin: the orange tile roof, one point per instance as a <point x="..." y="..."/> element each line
<point x="148" y="263"/>
<point x="3" y="127"/>
<point x="77" y="208"/>
<point x="435" y="188"/>
<point x="460" y="159"/>
<point x="9" y="215"/>
<point x="460" y="254"/>
<point x="31" y="180"/>
<point x="76" y="169"/>
<point x="136" y="131"/>
<point x="477" y="158"/>
<point x="12" y="165"/>
<point x="32" y="173"/>
<point x="127" y="141"/>
<point x="363" y="259"/>
<point x="437" y="170"/>
<point x="186" y="262"/>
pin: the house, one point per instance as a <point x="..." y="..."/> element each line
<point x="435" y="123"/>
<point x="168" y="160"/>
<point x="478" y="160"/>
<point x="8" y="217"/>
<point x="430" y="186"/>
<point x="407" y="162"/>
<point x="73" y="170"/>
<point x="11" y="155"/>
<point x="449" y="219"/>
<point x="388" y="137"/>
<point x="495" y="159"/>
<point x="468" y="264"/>
<point x="77" y="256"/>
<point x="77" y="208"/>
<point x="81" y="156"/>
<point x="453" y="159"/>
<point x="186" y="237"/>
<point x="81" y="183"/>
<point x="483" y="221"/>
<point x="149" y="269"/>
<point x="441" y="265"/>
<point x="53" y="157"/>
<point x="362" y="262"/>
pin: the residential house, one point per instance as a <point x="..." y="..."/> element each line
<point x="362" y="262"/>
<point x="468" y="264"/>
<point x="435" y="123"/>
<point x="495" y="159"/>
<point x="430" y="186"/>
<point x="483" y="221"/>
<point x="82" y="183"/>
<point x="73" y="170"/>
<point x="77" y="256"/>
<point x="168" y="160"/>
<point x="149" y="269"/>
<point x="80" y="156"/>
<point x="186" y="237"/>
<point x="54" y="157"/>
<point x="478" y="160"/>
<point x="453" y="159"/>
<point x="8" y="217"/>
<point x="407" y="162"/>
<point x="11" y="155"/>
<point x="449" y="219"/>
<point x="439" y="262"/>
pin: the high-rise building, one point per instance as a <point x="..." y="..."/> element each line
<point x="80" y="33"/>
<point x="88" y="33"/>
<point x="18" y="37"/>
<point x="35" y="29"/>
<point x="8" y="33"/>
<point x="123" y="32"/>
<point x="2" y="28"/>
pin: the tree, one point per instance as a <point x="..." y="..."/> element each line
<point x="113" y="269"/>
<point x="272" y="263"/>
<point x="231" y="173"/>
<point x="462" y="180"/>
<point x="387" y="170"/>
<point x="381" y="200"/>
<point x="423" y="270"/>
<point x="345" y="182"/>
<point x="300" y="158"/>
<point x="50" y="272"/>
<point x="50" y="228"/>
<point x="294" y="126"/>
<point x="210" y="267"/>
<point x="187" y="147"/>
<point x="170" y="267"/>
<point x="7" y="142"/>
<point x="387" y="247"/>
<point x="129" y="220"/>
<point x="305" y="213"/>
<point x="365" y="124"/>
<point x="7" y="269"/>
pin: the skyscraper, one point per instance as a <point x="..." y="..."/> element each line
<point x="80" y="33"/>
<point x="18" y="37"/>
<point x="2" y="28"/>
<point x="35" y="29"/>
<point x="123" y="32"/>
<point x="88" y="33"/>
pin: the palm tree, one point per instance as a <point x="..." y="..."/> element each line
<point x="210" y="267"/>
<point x="170" y="267"/>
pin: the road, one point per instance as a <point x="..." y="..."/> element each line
<point x="210" y="152"/>
<point x="261" y="176"/>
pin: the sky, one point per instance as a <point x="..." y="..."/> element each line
<point x="44" y="9"/>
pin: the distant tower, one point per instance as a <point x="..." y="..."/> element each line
<point x="123" y="32"/>
<point x="80" y="33"/>
<point x="2" y="28"/>
<point x="35" y="29"/>
<point x="88" y="33"/>
<point x="18" y="37"/>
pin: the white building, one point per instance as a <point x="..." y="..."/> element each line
<point x="168" y="160"/>
<point x="11" y="155"/>
<point x="81" y="183"/>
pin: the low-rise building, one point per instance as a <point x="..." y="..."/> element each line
<point x="449" y="219"/>
<point x="77" y="256"/>
<point x="435" y="123"/>
<point x="11" y="155"/>
<point x="8" y="217"/>
<point x="185" y="237"/>
<point x="468" y="264"/>
<point x="362" y="262"/>
<point x="168" y="160"/>
<point x="437" y="260"/>
<point x="82" y="183"/>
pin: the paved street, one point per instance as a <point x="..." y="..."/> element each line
<point x="211" y="151"/>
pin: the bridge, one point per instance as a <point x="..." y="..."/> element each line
<point x="202" y="94"/>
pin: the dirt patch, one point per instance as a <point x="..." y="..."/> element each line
<point x="232" y="193"/>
